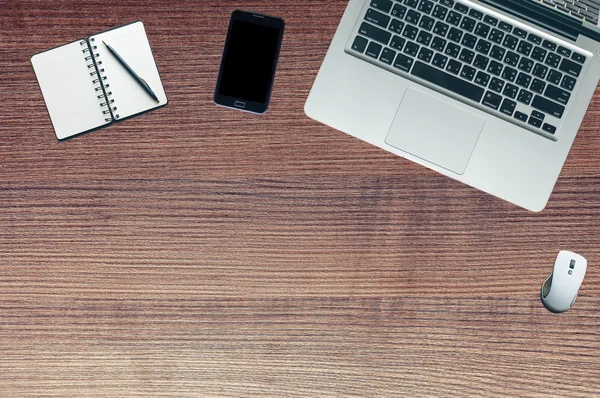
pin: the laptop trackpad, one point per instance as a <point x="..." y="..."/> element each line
<point x="435" y="131"/>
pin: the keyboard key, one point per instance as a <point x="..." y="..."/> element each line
<point x="525" y="64"/>
<point x="439" y="60"/>
<point x="553" y="60"/>
<point x="511" y="58"/>
<point x="521" y="116"/>
<point x="483" y="46"/>
<point x="510" y="42"/>
<point x="505" y="26"/>
<point x="438" y="44"/>
<point x="523" y="80"/>
<point x="448" y="3"/>
<point x="461" y="8"/>
<point x="539" y="54"/>
<point x="383" y="5"/>
<point x="482" y="30"/>
<point x="554" y="77"/>
<point x="374" y="33"/>
<point x="591" y="17"/>
<point x="413" y="17"/>
<point x="425" y="54"/>
<point x="453" y="18"/>
<point x="491" y="20"/>
<point x="535" y="122"/>
<point x="359" y="44"/>
<point x="510" y="90"/>
<point x="468" y="24"/>
<point x="476" y="14"/>
<point x="440" y="29"/>
<point x="548" y="128"/>
<point x="447" y="81"/>
<point x="538" y="86"/>
<point x="468" y="72"/>
<point x="497" y="53"/>
<point x="396" y="26"/>
<point x="387" y="56"/>
<point x="496" y="36"/>
<point x="568" y="83"/>
<point x="424" y="38"/>
<point x="508" y="107"/>
<point x="481" y="62"/>
<point x="547" y="106"/>
<point x="578" y="58"/>
<point x="440" y="12"/>
<point x="570" y="67"/>
<point x="455" y="35"/>
<point x="452" y="50"/>
<point x="466" y="55"/>
<point x="397" y="43"/>
<point x="496" y="84"/>
<point x="453" y="66"/>
<point x="425" y="6"/>
<point x="509" y="74"/>
<point x="525" y="96"/>
<point x="399" y="11"/>
<point x="482" y="78"/>
<point x="520" y="33"/>
<point x="565" y="52"/>
<point x="495" y="68"/>
<point x="411" y="3"/>
<point x="427" y="23"/>
<point x="557" y="94"/>
<point x="549" y="45"/>
<point x="410" y="32"/>
<point x="540" y="71"/>
<point x="373" y="50"/>
<point x="377" y="18"/>
<point x="535" y="39"/>
<point x="468" y="40"/>
<point x="538" y="115"/>
<point x="524" y="48"/>
<point x="403" y="62"/>
<point x="492" y="100"/>
<point x="411" y="49"/>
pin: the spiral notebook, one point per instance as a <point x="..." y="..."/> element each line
<point x="85" y="87"/>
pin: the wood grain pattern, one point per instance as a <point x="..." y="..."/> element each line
<point x="198" y="251"/>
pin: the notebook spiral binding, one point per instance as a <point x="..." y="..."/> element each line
<point x="100" y="80"/>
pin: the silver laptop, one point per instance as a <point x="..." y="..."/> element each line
<point x="489" y="92"/>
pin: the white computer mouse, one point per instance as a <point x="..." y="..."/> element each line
<point x="560" y="289"/>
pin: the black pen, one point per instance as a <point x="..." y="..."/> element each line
<point x="137" y="77"/>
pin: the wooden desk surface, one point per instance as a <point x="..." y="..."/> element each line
<point x="199" y="251"/>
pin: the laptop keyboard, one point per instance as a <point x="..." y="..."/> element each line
<point x="583" y="9"/>
<point x="505" y="70"/>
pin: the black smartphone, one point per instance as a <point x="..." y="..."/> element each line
<point x="249" y="61"/>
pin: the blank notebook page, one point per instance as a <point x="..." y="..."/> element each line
<point x="131" y="42"/>
<point x="68" y="89"/>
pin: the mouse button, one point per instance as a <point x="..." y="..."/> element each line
<point x="546" y="286"/>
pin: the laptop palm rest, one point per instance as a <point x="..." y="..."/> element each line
<point x="435" y="131"/>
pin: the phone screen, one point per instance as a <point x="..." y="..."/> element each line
<point x="249" y="61"/>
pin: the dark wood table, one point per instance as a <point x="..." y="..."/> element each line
<point x="199" y="251"/>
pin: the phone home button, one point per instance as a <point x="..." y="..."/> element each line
<point x="240" y="104"/>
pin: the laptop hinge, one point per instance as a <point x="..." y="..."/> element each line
<point x="544" y="17"/>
